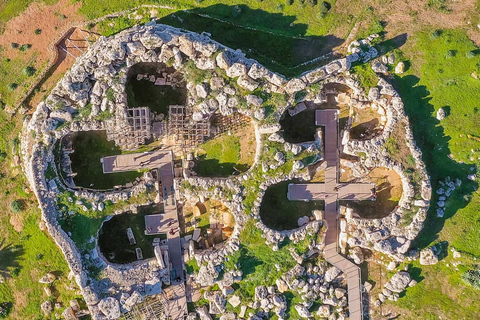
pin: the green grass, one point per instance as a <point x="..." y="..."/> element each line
<point x="437" y="81"/>
<point x="12" y="72"/>
<point x="259" y="264"/>
<point x="221" y="157"/>
<point x="89" y="148"/>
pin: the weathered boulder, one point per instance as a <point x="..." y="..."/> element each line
<point x="236" y="70"/>
<point x="136" y="48"/>
<point x="207" y="275"/>
<point x="46" y="307"/>
<point x="379" y="67"/>
<point x="48" y="278"/>
<point x="295" y="85"/>
<point x="356" y="254"/>
<point x="428" y="257"/>
<point x="281" y="285"/>
<point x="324" y="311"/>
<point x="247" y="83"/>
<point x="374" y="94"/>
<point x="400" y="68"/>
<point x="440" y="114"/>
<point x="398" y="282"/>
<point x="110" y="307"/>
<point x="331" y="274"/>
<point x="254" y="100"/>
<point x="302" y="311"/>
<point x="153" y="286"/>
<point x="202" y="90"/>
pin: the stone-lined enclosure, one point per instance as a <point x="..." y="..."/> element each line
<point x="232" y="83"/>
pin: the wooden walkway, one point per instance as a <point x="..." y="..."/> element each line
<point x="329" y="119"/>
<point x="331" y="191"/>
<point x="160" y="223"/>
<point x="316" y="191"/>
<point x="136" y="161"/>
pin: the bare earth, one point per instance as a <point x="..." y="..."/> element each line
<point x="49" y="19"/>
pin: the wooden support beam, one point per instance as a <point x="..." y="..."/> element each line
<point x="73" y="44"/>
<point x="67" y="51"/>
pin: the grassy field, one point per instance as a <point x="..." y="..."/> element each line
<point x="227" y="154"/>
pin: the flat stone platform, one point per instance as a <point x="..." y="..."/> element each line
<point x="136" y="161"/>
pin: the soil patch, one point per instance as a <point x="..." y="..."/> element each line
<point x="213" y="218"/>
<point x="389" y="191"/>
<point x="279" y="213"/>
<point x="367" y="123"/>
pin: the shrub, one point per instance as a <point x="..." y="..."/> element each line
<point x="4" y="310"/>
<point x="14" y="45"/>
<point x="236" y="11"/>
<point x="391" y="146"/>
<point x="15" y="272"/>
<point x="450" y="54"/>
<point x="29" y="71"/>
<point x="311" y="3"/>
<point x="288" y="2"/>
<point x="471" y="54"/>
<point x="472" y="277"/>
<point x="3" y="155"/>
<point x="435" y="34"/>
<point x="12" y="86"/>
<point x="38" y="31"/>
<point x="110" y="94"/>
<point x="324" y="8"/>
<point x="16" y="206"/>
<point x="25" y="47"/>
<point x="280" y="7"/>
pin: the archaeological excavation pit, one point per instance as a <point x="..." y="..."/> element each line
<point x="117" y="244"/>
<point x="209" y="222"/>
<point x="388" y="186"/>
<point x="156" y="86"/>
<point x="279" y="213"/>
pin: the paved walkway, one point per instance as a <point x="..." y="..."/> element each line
<point x="136" y="161"/>
<point x="332" y="191"/>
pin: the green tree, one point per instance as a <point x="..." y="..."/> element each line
<point x="29" y="71"/>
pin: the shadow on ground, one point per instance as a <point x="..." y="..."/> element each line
<point x="274" y="39"/>
<point x="433" y="142"/>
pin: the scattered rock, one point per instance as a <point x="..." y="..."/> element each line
<point x="398" y="282"/>
<point x="110" y="307"/>
<point x="400" y="68"/>
<point x="440" y="114"/>
<point x="428" y="257"/>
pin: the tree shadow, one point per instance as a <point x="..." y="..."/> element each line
<point x="431" y="139"/>
<point x="273" y="39"/>
<point x="10" y="257"/>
